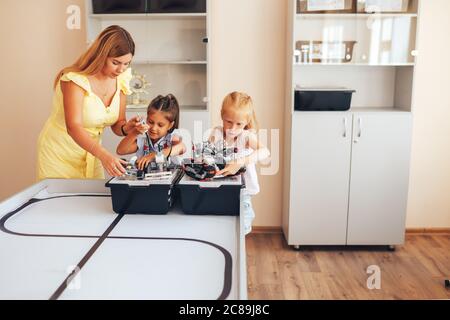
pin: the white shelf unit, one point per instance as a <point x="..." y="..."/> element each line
<point x="357" y="15"/>
<point x="381" y="86"/>
<point x="173" y="51"/>
<point x="346" y="173"/>
<point x="186" y="81"/>
<point x="136" y="62"/>
<point x="361" y="7"/>
<point x="379" y="39"/>
<point x="148" y="15"/>
<point x="394" y="64"/>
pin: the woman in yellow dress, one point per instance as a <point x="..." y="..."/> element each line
<point x="89" y="96"/>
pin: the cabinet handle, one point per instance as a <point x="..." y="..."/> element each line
<point x="345" y="128"/>
<point x="360" y="127"/>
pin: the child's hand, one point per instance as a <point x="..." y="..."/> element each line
<point x="141" y="125"/>
<point x="230" y="169"/>
<point x="145" y="160"/>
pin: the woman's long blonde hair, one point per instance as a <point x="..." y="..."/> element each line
<point x="114" y="41"/>
<point x="241" y="102"/>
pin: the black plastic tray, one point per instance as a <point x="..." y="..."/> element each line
<point x="202" y="199"/>
<point x="323" y="100"/>
<point x="149" y="199"/>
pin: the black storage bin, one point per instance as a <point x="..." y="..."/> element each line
<point x="217" y="197"/>
<point x="322" y="99"/>
<point x="176" y="6"/>
<point x="147" y="198"/>
<point x="119" y="6"/>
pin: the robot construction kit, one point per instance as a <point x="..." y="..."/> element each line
<point x="193" y="181"/>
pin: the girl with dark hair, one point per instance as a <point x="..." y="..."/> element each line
<point x="159" y="133"/>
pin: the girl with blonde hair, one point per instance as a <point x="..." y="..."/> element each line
<point x="239" y="128"/>
<point x="88" y="96"/>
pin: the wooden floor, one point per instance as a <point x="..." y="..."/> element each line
<point x="415" y="270"/>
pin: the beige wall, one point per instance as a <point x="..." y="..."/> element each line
<point x="34" y="44"/>
<point x="429" y="200"/>
<point x="248" y="54"/>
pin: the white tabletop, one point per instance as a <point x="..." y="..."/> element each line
<point x="73" y="227"/>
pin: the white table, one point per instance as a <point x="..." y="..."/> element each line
<point x="60" y="239"/>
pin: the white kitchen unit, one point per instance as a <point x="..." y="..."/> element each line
<point x="172" y="51"/>
<point x="346" y="172"/>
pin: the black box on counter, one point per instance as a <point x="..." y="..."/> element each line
<point x="154" y="196"/>
<point x="212" y="197"/>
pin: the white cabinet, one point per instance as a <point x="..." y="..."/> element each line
<point x="349" y="178"/>
<point x="379" y="177"/>
<point x="346" y="173"/>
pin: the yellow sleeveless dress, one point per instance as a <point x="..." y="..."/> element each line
<point x="59" y="156"/>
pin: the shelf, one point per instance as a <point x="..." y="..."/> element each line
<point x="188" y="62"/>
<point x="183" y="108"/>
<point x="406" y="64"/>
<point x="136" y="107"/>
<point x="193" y="108"/>
<point x="171" y="51"/>
<point x="378" y="109"/>
<point x="354" y="15"/>
<point x="361" y="110"/>
<point x="388" y="41"/>
<point x="120" y="16"/>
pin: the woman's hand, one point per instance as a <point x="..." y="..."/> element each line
<point x="132" y="124"/>
<point x="112" y="165"/>
<point x="145" y="160"/>
<point x="230" y="169"/>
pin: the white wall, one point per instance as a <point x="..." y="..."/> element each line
<point x="429" y="200"/>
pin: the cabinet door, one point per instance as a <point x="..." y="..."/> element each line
<point x="320" y="165"/>
<point x="379" y="178"/>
